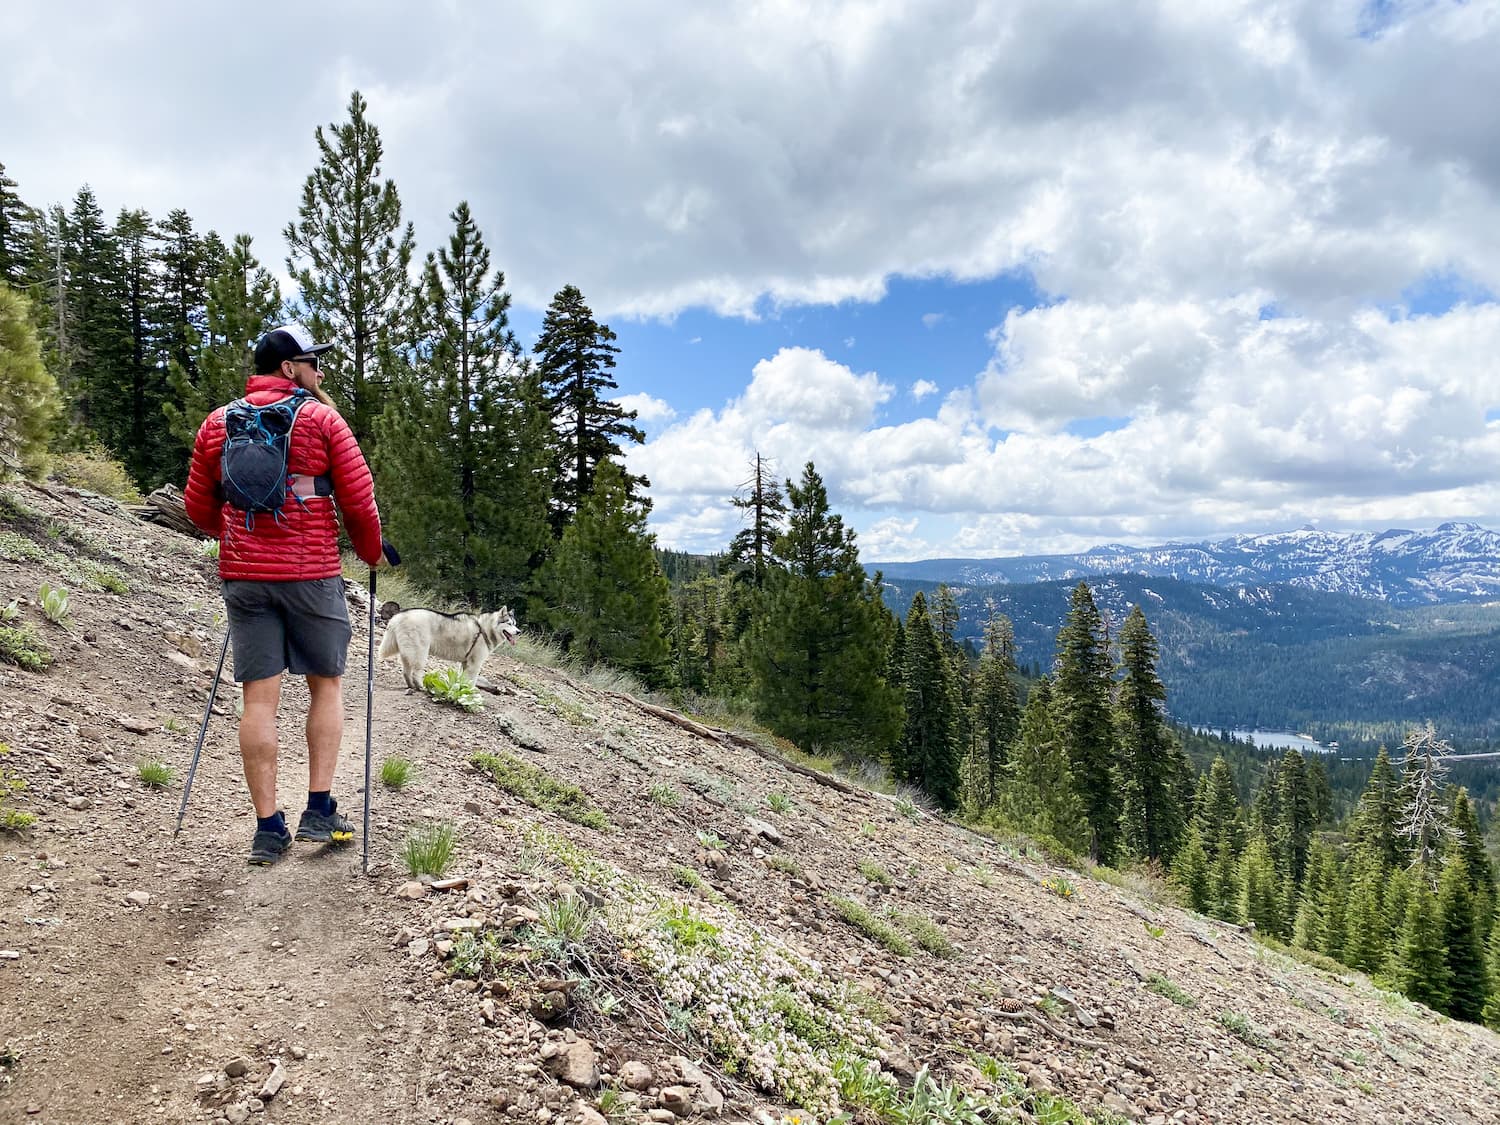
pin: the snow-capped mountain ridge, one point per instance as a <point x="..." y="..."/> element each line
<point x="1454" y="562"/>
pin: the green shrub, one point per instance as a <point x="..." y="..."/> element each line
<point x="94" y="470"/>
<point x="779" y="802"/>
<point x="664" y="795"/>
<point x="872" y="927"/>
<point x="397" y="772"/>
<point x="54" y="602"/>
<point x="12" y="819"/>
<point x="20" y="645"/>
<point x="452" y="685"/>
<point x="539" y="789"/>
<point x="685" y="876"/>
<point x="1163" y="987"/>
<point x="783" y="863"/>
<point x="428" y="848"/>
<point x="154" y="773"/>
<point x="927" y="933"/>
<point x="873" y="872"/>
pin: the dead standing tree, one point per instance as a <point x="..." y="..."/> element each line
<point x="1424" y="820"/>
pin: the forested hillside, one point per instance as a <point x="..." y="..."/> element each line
<point x="1278" y="657"/>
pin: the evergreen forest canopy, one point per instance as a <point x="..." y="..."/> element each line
<point x="502" y="476"/>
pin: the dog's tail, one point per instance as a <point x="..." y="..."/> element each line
<point x="389" y="646"/>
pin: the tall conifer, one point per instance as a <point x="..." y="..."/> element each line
<point x="1152" y="765"/>
<point x="1081" y="702"/>
<point x="28" y="393"/>
<point x="349" y="255"/>
<point x="761" y="501"/>
<point x="930" y="749"/>
<point x="1421" y="963"/>
<point x="997" y="710"/>
<point x="1468" y="981"/>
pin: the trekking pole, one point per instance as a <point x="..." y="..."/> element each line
<point x="213" y="690"/>
<point x="364" y="839"/>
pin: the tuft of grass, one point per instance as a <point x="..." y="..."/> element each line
<point x="873" y="872"/>
<point x="20" y="645"/>
<point x="1242" y="1029"/>
<point x="154" y="773"/>
<point x="685" y="876"/>
<point x="664" y="795"/>
<point x="779" y="802"/>
<point x="925" y="932"/>
<point x="428" y="848"/>
<point x="106" y="578"/>
<point x="874" y="928"/>
<point x="567" y="921"/>
<point x="868" y="830"/>
<point x="54" y="603"/>
<point x="783" y="863"/>
<point x="452" y="685"/>
<point x="907" y="808"/>
<point x="539" y="789"/>
<point x="397" y="772"/>
<point x="1163" y="987"/>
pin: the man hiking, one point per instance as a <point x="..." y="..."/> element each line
<point x="266" y="472"/>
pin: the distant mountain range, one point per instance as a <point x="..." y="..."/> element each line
<point x="1455" y="562"/>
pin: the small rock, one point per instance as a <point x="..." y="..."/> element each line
<point x="412" y="889"/>
<point x="679" y="1099"/>
<point x="636" y="1075"/>
<point x="588" y="1115"/>
<point x="237" y="1067"/>
<point x="138" y="898"/>
<point x="10" y="954"/>
<point x="137" y="726"/>
<point x="238" y="1113"/>
<point x="573" y="1063"/>
<point x="299" y="1053"/>
<point x="661" y="1115"/>
<point x="760" y="828"/>
<point x="79" y="804"/>
<point x="273" y="1083"/>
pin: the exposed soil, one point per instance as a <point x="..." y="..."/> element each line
<point x="117" y="1012"/>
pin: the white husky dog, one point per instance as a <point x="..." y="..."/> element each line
<point x="464" y="638"/>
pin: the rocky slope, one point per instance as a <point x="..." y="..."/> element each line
<point x="1455" y="562"/>
<point x="708" y="943"/>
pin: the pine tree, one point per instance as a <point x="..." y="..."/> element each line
<point x="1038" y="795"/>
<point x="1190" y="873"/>
<point x="819" y="650"/>
<point x="1298" y="815"/>
<point x="997" y="710"/>
<point x="1082" y="715"/>
<point x="1334" y="909"/>
<point x="1423" y="814"/>
<point x="929" y="744"/>
<point x="188" y="264"/>
<point x="1152" y="765"/>
<point x="95" y="342"/>
<point x="1366" y="939"/>
<point x="1377" y="816"/>
<point x="1216" y="810"/>
<point x="462" y="450"/>
<point x="349" y="256"/>
<point x="1398" y="889"/>
<point x="1491" y="1011"/>
<point x="1459" y="924"/>
<point x="28" y="394"/>
<point x="1464" y="840"/>
<point x="242" y="305"/>
<point x="1260" y="888"/>
<point x="575" y="356"/>
<point x="602" y="590"/>
<point x="1309" y="924"/>
<point x="761" y="499"/>
<point x="138" y="433"/>
<point x="1422" y="960"/>
<point x="16" y="223"/>
<point x="1224" y="881"/>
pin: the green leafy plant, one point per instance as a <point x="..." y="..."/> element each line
<point x="209" y="548"/>
<point x="872" y="927"/>
<point x="397" y="772"/>
<point x="868" y="830"/>
<point x="9" y="611"/>
<point x="779" y="802"/>
<point x="1156" y="932"/>
<point x="873" y="872"/>
<point x="154" y="773"/>
<point x="784" y="863"/>
<point x="54" y="602"/>
<point x="106" y="578"/>
<point x="12" y="819"/>
<point x="20" y="645"/>
<point x="539" y="789"/>
<point x="1241" y="1028"/>
<point x="664" y="795"/>
<point x="1163" y="987"/>
<point x="1061" y="887"/>
<point x="685" y="876"/>
<point x="429" y="848"/>
<point x="907" y="808"/>
<point x="710" y="841"/>
<point x="687" y="929"/>
<point x="452" y="685"/>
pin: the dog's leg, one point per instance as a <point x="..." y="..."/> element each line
<point x="476" y="660"/>
<point x="411" y="664"/>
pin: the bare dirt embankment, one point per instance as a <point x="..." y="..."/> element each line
<point x="147" y="979"/>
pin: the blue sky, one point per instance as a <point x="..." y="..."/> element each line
<point x="1159" y="270"/>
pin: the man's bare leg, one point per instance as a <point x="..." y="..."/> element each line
<point x="258" y="742"/>
<point x="325" y="730"/>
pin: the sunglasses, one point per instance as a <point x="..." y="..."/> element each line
<point x="308" y="359"/>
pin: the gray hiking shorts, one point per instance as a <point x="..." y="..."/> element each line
<point x="297" y="627"/>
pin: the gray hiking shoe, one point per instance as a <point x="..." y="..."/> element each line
<point x="267" y="847"/>
<point x="325" y="828"/>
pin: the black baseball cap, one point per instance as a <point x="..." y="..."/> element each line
<point x="290" y="341"/>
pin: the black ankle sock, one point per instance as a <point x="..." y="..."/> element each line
<point x="320" y="802"/>
<point x="273" y="823"/>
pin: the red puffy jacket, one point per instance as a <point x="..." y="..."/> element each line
<point x="304" y="542"/>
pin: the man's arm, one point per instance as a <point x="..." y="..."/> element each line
<point x="353" y="488"/>
<point x="201" y="497"/>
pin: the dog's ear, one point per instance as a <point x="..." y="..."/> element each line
<point x="389" y="610"/>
